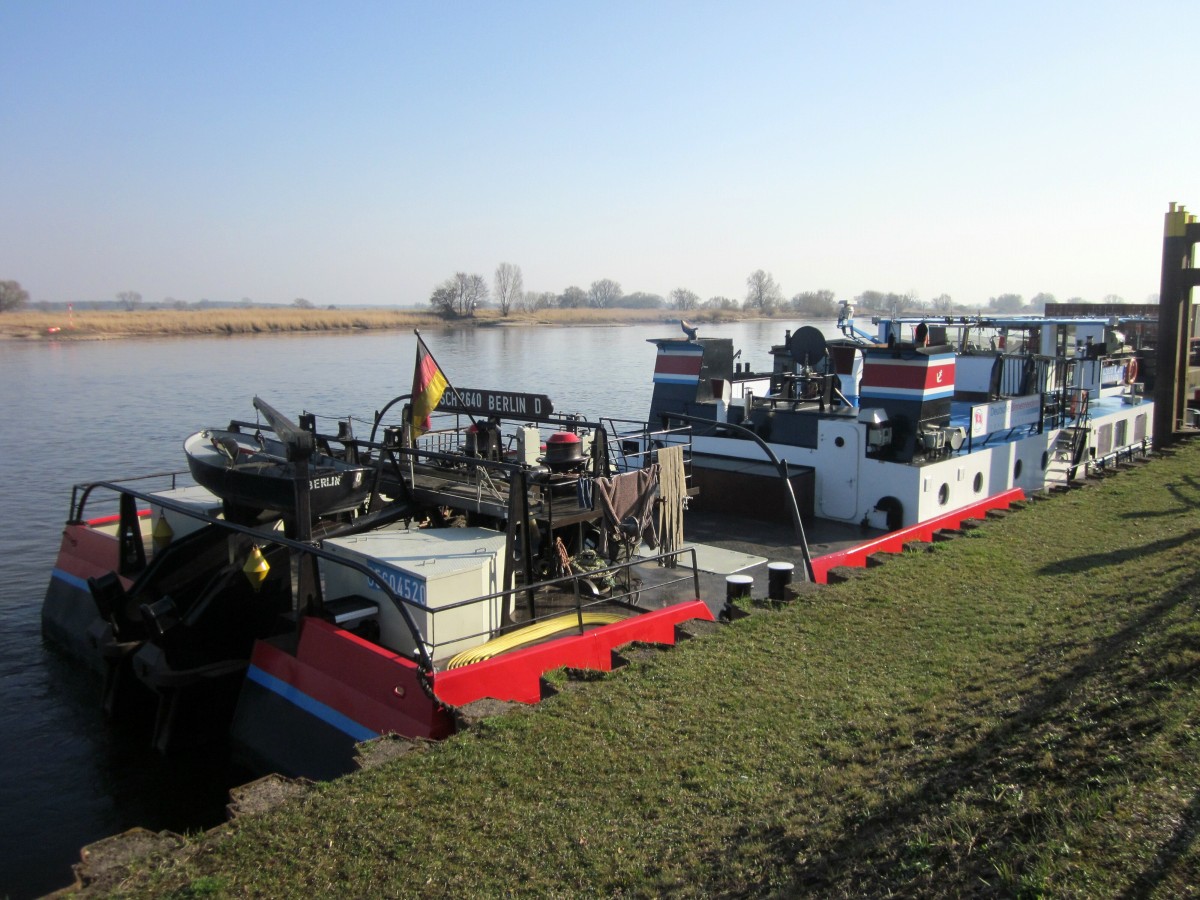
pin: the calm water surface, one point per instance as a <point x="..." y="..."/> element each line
<point x="74" y="412"/>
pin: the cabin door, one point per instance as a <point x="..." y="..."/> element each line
<point x="838" y="476"/>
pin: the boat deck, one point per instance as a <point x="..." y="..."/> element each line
<point x="728" y="545"/>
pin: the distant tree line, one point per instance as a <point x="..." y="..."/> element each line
<point x="461" y="295"/>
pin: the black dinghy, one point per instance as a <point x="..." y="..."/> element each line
<point x="254" y="473"/>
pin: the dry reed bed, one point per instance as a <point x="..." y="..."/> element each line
<point x="88" y="324"/>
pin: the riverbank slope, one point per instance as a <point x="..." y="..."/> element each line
<point x="1014" y="712"/>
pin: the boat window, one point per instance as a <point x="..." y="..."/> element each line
<point x="839" y="442"/>
<point x="978" y="483"/>
<point x="1017" y="470"/>
<point x="944" y="494"/>
<point x="1045" y="460"/>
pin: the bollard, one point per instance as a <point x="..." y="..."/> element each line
<point x="779" y="576"/>
<point x="737" y="587"/>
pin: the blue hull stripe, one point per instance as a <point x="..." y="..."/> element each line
<point x="676" y="379"/>
<point x="904" y="394"/>
<point x="298" y="698"/>
<point x="80" y="584"/>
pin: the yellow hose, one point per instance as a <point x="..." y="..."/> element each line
<point x="528" y="635"/>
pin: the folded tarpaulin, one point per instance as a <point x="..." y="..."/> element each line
<point x="621" y="496"/>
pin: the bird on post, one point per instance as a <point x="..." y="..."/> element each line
<point x="689" y="330"/>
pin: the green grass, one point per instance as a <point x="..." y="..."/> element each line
<point x="1014" y="713"/>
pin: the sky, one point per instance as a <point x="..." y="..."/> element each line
<point x="360" y="153"/>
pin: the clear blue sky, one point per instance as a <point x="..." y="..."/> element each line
<point x="359" y="153"/>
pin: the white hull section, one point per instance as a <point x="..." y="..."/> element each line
<point x="849" y="485"/>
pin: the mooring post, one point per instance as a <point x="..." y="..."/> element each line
<point x="1181" y="233"/>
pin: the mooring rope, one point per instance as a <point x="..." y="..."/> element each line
<point x="672" y="490"/>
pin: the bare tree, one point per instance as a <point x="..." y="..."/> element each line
<point x="891" y="303"/>
<point x="642" y="300"/>
<point x="682" y="298"/>
<point x="542" y="300"/>
<point x="942" y="303"/>
<point x="573" y="298"/>
<point x="604" y="293"/>
<point x="1039" y="301"/>
<point x="818" y="304"/>
<point x="458" y="297"/>
<point x="131" y="300"/>
<point x="720" y="303"/>
<point x="762" y="293"/>
<point x="1006" y="303"/>
<point x="508" y="287"/>
<point x="12" y="295"/>
<point x="301" y="303"/>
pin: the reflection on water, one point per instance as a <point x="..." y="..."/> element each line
<point x="74" y="412"/>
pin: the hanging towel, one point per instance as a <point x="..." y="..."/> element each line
<point x="630" y="494"/>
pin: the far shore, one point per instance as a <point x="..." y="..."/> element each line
<point x="27" y="325"/>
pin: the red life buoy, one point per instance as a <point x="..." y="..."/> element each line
<point x="1131" y="371"/>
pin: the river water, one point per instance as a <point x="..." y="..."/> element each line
<point x="78" y="411"/>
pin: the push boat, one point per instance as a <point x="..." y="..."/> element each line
<point x="508" y="541"/>
<point x="472" y="565"/>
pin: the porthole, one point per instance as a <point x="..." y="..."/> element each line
<point x="839" y="442"/>
<point x="977" y="484"/>
<point x="1045" y="460"/>
<point x="944" y="494"/>
<point x="1017" y="470"/>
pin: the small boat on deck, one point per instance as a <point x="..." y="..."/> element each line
<point x="253" y="474"/>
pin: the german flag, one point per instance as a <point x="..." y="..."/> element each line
<point x="428" y="386"/>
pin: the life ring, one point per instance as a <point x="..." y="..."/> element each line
<point x="1131" y="371"/>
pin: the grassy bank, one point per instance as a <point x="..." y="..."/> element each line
<point x="97" y="325"/>
<point x="1013" y="713"/>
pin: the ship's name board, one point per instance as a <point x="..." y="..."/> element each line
<point x="487" y="403"/>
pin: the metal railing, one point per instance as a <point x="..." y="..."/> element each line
<point x="627" y="592"/>
<point x="424" y="650"/>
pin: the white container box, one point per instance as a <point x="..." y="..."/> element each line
<point x="433" y="568"/>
